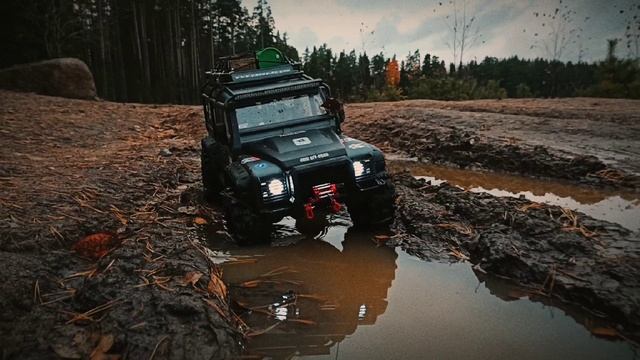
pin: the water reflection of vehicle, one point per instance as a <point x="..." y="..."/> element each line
<point x="352" y="283"/>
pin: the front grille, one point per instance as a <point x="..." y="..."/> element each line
<point x="307" y="178"/>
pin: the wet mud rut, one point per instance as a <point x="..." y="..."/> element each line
<point x="344" y="294"/>
<point x="108" y="248"/>
<point x="552" y="251"/>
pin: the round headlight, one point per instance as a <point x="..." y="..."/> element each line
<point x="358" y="168"/>
<point x="276" y="187"/>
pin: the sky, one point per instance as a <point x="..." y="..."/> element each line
<point x="501" y="28"/>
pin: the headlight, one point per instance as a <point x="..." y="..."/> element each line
<point x="358" y="168"/>
<point x="362" y="168"/>
<point x="276" y="187"/>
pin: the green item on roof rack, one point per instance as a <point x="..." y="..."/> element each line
<point x="270" y="57"/>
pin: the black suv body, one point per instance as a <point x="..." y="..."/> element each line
<point x="275" y="148"/>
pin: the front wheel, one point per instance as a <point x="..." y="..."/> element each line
<point x="214" y="158"/>
<point x="247" y="226"/>
<point x="210" y="182"/>
<point x="374" y="207"/>
<point x="312" y="228"/>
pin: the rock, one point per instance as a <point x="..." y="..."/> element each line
<point x="64" y="77"/>
<point x="165" y="152"/>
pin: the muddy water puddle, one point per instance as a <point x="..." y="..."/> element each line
<point x="340" y="296"/>
<point x="614" y="206"/>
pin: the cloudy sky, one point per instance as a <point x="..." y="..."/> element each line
<point x="504" y="27"/>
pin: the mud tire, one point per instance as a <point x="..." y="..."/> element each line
<point x="246" y="226"/>
<point x="212" y="159"/>
<point x="374" y="207"/>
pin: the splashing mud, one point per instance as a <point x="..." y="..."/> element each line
<point x="341" y="296"/>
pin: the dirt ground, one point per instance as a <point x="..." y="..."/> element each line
<point x="594" y="141"/>
<point x="145" y="283"/>
<point x="72" y="168"/>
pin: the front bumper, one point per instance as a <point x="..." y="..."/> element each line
<point x="300" y="208"/>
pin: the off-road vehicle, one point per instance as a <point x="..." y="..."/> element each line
<point x="275" y="148"/>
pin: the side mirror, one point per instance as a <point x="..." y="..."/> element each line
<point x="335" y="108"/>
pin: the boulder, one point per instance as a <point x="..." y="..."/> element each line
<point x="65" y="77"/>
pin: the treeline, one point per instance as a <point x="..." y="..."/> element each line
<point x="356" y="77"/>
<point x="143" y="50"/>
<point x="158" y="50"/>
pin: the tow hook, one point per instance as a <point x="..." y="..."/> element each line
<point x="335" y="206"/>
<point x="308" y="209"/>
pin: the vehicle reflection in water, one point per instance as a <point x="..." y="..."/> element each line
<point x="615" y="206"/>
<point x="368" y="302"/>
<point x="347" y="287"/>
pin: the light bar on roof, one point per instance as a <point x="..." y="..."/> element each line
<point x="276" y="91"/>
<point x="262" y="73"/>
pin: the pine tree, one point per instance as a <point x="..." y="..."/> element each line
<point x="264" y="23"/>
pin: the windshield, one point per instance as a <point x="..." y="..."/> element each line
<point x="279" y="111"/>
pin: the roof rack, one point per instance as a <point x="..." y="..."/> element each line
<point x="263" y="59"/>
<point x="268" y="63"/>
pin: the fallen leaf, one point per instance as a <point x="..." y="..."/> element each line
<point x="200" y="221"/>
<point x="260" y="332"/>
<point x="381" y="239"/>
<point x="533" y="205"/>
<point x="216" y="286"/>
<point x="95" y="246"/>
<point x="604" y="331"/>
<point x="216" y="308"/>
<point x="104" y="345"/>
<point x="250" y="284"/>
<point x="460" y="228"/>
<point x="302" y="321"/>
<point x="458" y="254"/>
<point x="192" y="278"/>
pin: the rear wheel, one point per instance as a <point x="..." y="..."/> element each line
<point x="373" y="207"/>
<point x="247" y="226"/>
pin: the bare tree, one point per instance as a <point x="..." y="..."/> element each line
<point x="632" y="31"/>
<point x="558" y="30"/>
<point x="463" y="25"/>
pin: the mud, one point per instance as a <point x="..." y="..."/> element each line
<point x="552" y="251"/>
<point x="74" y="168"/>
<point x="341" y="295"/>
<point x="598" y="145"/>
<point x="131" y="174"/>
<point x="616" y="206"/>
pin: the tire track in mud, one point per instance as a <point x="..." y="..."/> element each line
<point x="448" y="137"/>
<point x="553" y="251"/>
<point x="143" y="160"/>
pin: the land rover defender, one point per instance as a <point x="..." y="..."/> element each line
<point x="275" y="148"/>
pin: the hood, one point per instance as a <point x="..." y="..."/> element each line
<point x="299" y="148"/>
